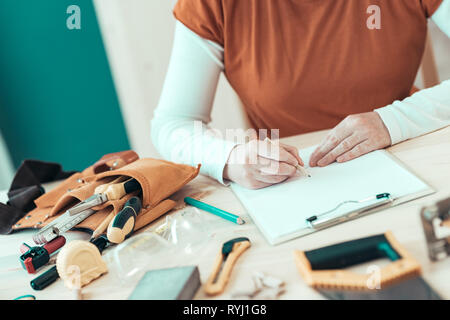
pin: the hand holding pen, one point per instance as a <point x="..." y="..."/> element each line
<point x="261" y="163"/>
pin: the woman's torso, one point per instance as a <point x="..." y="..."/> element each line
<point x="304" y="65"/>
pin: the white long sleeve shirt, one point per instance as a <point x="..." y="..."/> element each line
<point x="180" y="130"/>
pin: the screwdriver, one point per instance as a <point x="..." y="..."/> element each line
<point x="103" y="193"/>
<point x="122" y="226"/>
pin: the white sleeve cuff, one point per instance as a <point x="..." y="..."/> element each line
<point x="391" y="123"/>
<point x="217" y="172"/>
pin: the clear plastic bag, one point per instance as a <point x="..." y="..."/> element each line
<point x="133" y="257"/>
<point x="179" y="240"/>
<point x="176" y="242"/>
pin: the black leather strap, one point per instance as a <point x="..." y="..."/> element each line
<point x="35" y="172"/>
<point x="25" y="188"/>
<point x="8" y="217"/>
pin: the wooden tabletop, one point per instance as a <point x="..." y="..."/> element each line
<point x="427" y="156"/>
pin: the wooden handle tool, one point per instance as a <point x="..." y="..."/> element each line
<point x="116" y="191"/>
<point x="106" y="192"/>
<point x="224" y="264"/>
<point x="103" y="226"/>
<point x="102" y="188"/>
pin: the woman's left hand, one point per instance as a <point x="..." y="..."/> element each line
<point x="355" y="136"/>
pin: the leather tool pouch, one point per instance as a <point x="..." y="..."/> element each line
<point x="158" y="179"/>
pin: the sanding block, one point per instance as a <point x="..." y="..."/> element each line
<point x="180" y="283"/>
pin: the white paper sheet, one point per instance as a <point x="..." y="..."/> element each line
<point x="280" y="211"/>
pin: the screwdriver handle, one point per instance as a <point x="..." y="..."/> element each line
<point x="122" y="226"/>
<point x="55" y="244"/>
<point x="102" y="188"/>
<point x="116" y="191"/>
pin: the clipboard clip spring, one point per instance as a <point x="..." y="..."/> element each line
<point x="385" y="196"/>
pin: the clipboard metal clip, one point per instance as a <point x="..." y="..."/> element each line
<point x="316" y="222"/>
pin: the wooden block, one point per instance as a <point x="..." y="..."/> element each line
<point x="180" y="283"/>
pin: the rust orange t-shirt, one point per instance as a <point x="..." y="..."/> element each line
<point x="304" y="65"/>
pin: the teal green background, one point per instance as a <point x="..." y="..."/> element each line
<point x="57" y="97"/>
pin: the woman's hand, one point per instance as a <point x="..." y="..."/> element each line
<point x="355" y="136"/>
<point x="258" y="164"/>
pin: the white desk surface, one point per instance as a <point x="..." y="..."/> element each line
<point x="427" y="156"/>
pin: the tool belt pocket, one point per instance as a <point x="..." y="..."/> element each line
<point x="84" y="191"/>
<point x="158" y="179"/>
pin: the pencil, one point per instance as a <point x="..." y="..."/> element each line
<point x="299" y="167"/>
<point x="218" y="212"/>
<point x="303" y="170"/>
<point x="102" y="226"/>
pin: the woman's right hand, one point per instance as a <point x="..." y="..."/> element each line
<point x="259" y="164"/>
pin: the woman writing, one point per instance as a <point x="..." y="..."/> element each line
<point x="298" y="66"/>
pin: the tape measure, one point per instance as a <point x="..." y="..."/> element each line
<point x="60" y="225"/>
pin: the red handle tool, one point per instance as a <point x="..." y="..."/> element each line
<point x="33" y="258"/>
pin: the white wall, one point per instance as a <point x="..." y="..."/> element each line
<point x="441" y="47"/>
<point x="138" y="37"/>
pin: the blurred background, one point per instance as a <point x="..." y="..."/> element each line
<point x="70" y="96"/>
<point x="57" y="97"/>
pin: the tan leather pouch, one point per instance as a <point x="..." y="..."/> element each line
<point x="159" y="179"/>
<point x="106" y="163"/>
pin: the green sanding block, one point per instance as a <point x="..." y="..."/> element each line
<point x="180" y="283"/>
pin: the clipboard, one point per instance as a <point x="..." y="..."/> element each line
<point x="281" y="211"/>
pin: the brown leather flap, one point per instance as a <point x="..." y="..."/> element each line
<point x="107" y="163"/>
<point x="159" y="179"/>
<point x="114" y="161"/>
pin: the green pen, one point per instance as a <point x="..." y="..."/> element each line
<point x="218" y="212"/>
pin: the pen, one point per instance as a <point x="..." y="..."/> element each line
<point x="103" y="226"/>
<point x="218" y="212"/>
<point x="299" y="168"/>
<point x="303" y="171"/>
